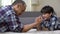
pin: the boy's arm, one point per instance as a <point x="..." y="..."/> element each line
<point x="43" y="28"/>
<point x="38" y="27"/>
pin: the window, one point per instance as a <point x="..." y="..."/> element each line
<point x="6" y="2"/>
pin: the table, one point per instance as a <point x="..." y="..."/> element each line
<point x="33" y="31"/>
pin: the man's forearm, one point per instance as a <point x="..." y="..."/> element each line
<point x="29" y="26"/>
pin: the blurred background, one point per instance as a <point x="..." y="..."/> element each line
<point x="33" y="8"/>
<point x="36" y="5"/>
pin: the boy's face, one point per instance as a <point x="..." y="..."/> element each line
<point x="46" y="15"/>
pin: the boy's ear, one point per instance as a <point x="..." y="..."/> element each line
<point x="50" y="13"/>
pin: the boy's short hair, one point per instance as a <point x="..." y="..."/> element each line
<point x="47" y="9"/>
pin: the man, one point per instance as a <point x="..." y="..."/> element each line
<point x="9" y="18"/>
<point x="49" y="20"/>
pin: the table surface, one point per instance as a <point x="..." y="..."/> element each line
<point x="33" y="31"/>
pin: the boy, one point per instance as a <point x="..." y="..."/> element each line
<point x="49" y="19"/>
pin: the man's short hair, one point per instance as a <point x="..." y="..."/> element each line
<point x="47" y="9"/>
<point x="17" y="2"/>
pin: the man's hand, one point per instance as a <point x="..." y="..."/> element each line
<point x="38" y="20"/>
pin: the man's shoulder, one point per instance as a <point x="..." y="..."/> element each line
<point x="4" y="9"/>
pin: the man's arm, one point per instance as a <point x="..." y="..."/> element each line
<point x="30" y="26"/>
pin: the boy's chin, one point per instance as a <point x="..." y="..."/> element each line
<point x="45" y="18"/>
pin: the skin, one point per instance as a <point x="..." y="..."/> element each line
<point x="19" y="9"/>
<point x="46" y="17"/>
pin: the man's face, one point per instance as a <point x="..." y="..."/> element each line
<point x="20" y="8"/>
<point x="46" y="16"/>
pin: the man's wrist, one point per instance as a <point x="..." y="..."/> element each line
<point x="36" y="23"/>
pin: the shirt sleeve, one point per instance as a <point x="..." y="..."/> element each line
<point x="14" y="24"/>
<point x="53" y="23"/>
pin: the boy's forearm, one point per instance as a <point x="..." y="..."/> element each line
<point x="45" y="29"/>
<point x="38" y="27"/>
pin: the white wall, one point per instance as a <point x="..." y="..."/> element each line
<point x="28" y="3"/>
<point x="6" y="2"/>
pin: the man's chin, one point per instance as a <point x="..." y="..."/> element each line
<point x="20" y="14"/>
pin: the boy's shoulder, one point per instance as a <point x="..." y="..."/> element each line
<point x="54" y="17"/>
